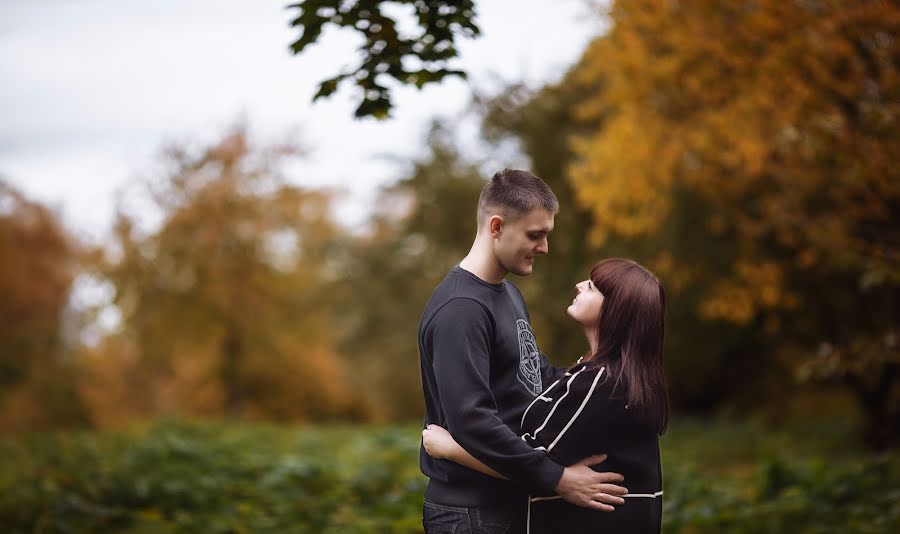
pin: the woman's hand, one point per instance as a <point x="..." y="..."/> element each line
<point x="438" y="442"/>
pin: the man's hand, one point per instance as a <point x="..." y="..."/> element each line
<point x="438" y="442"/>
<point x="583" y="486"/>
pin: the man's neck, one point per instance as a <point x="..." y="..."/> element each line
<point x="481" y="262"/>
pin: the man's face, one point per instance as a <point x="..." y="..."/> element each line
<point x="521" y="240"/>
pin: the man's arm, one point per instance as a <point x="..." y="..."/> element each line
<point x="460" y="336"/>
<point x="549" y="372"/>
<point x="440" y="444"/>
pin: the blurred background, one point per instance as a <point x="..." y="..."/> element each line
<point x="210" y="284"/>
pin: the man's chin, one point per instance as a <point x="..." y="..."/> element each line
<point x="523" y="270"/>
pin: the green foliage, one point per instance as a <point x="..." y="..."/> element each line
<point x="214" y="478"/>
<point x="387" y="53"/>
<point x="731" y="477"/>
<point x="228" y="477"/>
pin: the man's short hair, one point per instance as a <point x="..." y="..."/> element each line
<point x="513" y="193"/>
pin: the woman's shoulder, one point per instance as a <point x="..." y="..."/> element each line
<point x="584" y="371"/>
<point x="584" y="381"/>
<point x="598" y="382"/>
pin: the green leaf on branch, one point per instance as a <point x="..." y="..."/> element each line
<point x="384" y="49"/>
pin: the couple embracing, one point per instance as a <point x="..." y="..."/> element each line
<point x="510" y="441"/>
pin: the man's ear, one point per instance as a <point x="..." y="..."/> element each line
<point x="495" y="224"/>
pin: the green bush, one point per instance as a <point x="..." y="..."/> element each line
<point x="235" y="477"/>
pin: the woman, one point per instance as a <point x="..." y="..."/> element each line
<point x="614" y="400"/>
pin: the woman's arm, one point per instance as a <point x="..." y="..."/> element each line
<point x="440" y="444"/>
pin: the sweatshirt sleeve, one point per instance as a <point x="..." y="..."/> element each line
<point x="461" y="340"/>
<point x="549" y="372"/>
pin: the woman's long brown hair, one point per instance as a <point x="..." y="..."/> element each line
<point x="630" y="331"/>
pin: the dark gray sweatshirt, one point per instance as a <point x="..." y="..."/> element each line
<point x="481" y="368"/>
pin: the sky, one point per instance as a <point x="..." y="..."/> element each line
<point x="92" y="89"/>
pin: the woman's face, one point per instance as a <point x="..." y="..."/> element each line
<point x="585" y="307"/>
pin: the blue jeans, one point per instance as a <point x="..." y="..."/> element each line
<point x="447" y="519"/>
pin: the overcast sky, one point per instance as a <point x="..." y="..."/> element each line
<point x="91" y="89"/>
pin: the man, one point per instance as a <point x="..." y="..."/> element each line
<point x="481" y="368"/>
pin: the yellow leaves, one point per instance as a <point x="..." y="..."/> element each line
<point x="766" y="276"/>
<point x="618" y="179"/>
<point x="114" y="384"/>
<point x="716" y="224"/>
<point x="663" y="263"/>
<point x="291" y="378"/>
<point x="223" y="303"/>
<point x="675" y="275"/>
<point x="754" y="288"/>
<point x="780" y="116"/>
<point x="231" y="149"/>
<point x="300" y="378"/>
<point x="194" y="385"/>
<point x="37" y="265"/>
<point x="806" y="258"/>
<point x="729" y="302"/>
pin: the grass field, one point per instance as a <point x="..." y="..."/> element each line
<point x="176" y="476"/>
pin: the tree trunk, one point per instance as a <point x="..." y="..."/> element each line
<point x="881" y="409"/>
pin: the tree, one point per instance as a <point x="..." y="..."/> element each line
<point x="386" y="52"/>
<point x="223" y="303"/>
<point x="778" y="120"/>
<point x="38" y="262"/>
<point x="543" y="122"/>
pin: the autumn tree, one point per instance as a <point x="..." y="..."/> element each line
<point x="38" y="263"/>
<point x="223" y="303"/>
<point x="778" y="120"/>
<point x="542" y="123"/>
<point x="744" y="151"/>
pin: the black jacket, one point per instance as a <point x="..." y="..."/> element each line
<point x="584" y="414"/>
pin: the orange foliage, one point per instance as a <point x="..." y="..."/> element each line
<point x="224" y="303"/>
<point x="783" y="116"/>
<point x="37" y="265"/>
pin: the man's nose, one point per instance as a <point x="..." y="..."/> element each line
<point x="543" y="247"/>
